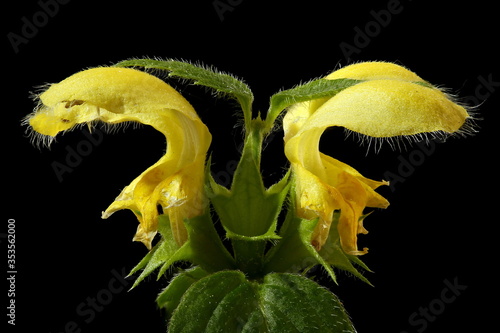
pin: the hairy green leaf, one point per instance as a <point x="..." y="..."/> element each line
<point x="200" y="75"/>
<point x="229" y="302"/>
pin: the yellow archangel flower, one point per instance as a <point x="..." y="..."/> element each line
<point x="390" y="102"/>
<point x="116" y="95"/>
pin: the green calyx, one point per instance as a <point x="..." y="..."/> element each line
<point x="248" y="211"/>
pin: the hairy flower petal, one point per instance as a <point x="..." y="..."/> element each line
<point x="387" y="108"/>
<point x="391" y="101"/>
<point x="116" y="95"/>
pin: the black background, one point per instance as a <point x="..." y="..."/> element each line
<point x="441" y="224"/>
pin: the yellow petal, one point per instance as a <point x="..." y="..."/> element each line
<point x="315" y="199"/>
<point x="375" y="70"/>
<point x="350" y="222"/>
<point x="295" y="118"/>
<point x="373" y="199"/>
<point x="104" y="93"/>
<point x="115" y="95"/>
<point x="339" y="187"/>
<point x="119" y="90"/>
<point x="324" y="184"/>
<point x="386" y="108"/>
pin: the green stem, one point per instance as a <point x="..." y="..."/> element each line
<point x="249" y="256"/>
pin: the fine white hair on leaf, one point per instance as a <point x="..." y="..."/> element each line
<point x="165" y="74"/>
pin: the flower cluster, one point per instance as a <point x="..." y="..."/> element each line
<point x="385" y="100"/>
<point x="325" y="199"/>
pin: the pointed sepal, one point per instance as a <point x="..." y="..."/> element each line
<point x="295" y="253"/>
<point x="203" y="248"/>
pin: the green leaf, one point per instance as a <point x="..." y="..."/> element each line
<point x="229" y="302"/>
<point x="300" y="305"/>
<point x="200" y="75"/>
<point x="315" y="89"/>
<point x="198" y="304"/>
<point x="170" y="298"/>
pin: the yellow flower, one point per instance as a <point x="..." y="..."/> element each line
<point x="116" y="95"/>
<point x="390" y="102"/>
